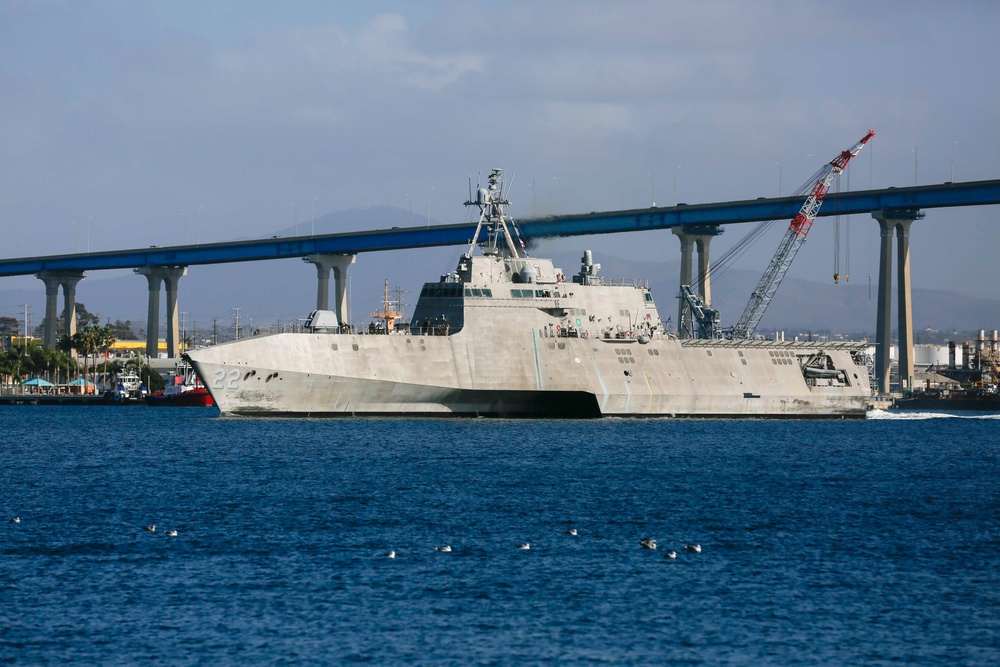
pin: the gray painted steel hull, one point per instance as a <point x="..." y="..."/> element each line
<point x="491" y="374"/>
<point x="510" y="335"/>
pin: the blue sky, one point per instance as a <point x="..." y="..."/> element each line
<point x="131" y="119"/>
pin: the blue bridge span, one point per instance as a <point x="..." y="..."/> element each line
<point x="975" y="193"/>
<point x="894" y="208"/>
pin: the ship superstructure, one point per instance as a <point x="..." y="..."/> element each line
<point x="510" y="335"/>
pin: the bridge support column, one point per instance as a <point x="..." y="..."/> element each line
<point x="703" y="238"/>
<point x="51" y="307"/>
<point x="699" y="236"/>
<point x="53" y="281"/>
<point x="683" y="312"/>
<point x="883" y="314"/>
<point x="904" y="310"/>
<point x="156" y="275"/>
<point x="171" y="278"/>
<point x="338" y="263"/>
<point x="898" y="222"/>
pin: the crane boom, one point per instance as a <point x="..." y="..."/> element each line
<point x="791" y="242"/>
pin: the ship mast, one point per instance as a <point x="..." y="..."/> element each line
<point x="388" y="314"/>
<point x="493" y="220"/>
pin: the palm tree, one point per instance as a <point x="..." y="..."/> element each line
<point x="7" y="367"/>
<point x="85" y="343"/>
<point x="66" y="360"/>
<point x="12" y="363"/>
<point x="106" y="338"/>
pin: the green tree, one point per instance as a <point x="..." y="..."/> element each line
<point x="10" y="362"/>
<point x="84" y="318"/>
<point x="10" y="326"/>
<point x="105" y="339"/>
<point x="86" y="343"/>
<point x="123" y="330"/>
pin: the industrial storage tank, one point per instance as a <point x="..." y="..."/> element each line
<point x="930" y="355"/>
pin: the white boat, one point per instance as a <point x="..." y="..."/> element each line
<point x="510" y="335"/>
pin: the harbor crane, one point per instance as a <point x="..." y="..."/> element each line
<point x="707" y="318"/>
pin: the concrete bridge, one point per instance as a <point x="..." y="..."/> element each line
<point x="895" y="209"/>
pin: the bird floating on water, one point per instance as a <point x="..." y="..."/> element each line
<point x="171" y="533"/>
<point x="648" y="543"/>
<point x="16" y="519"/>
<point x="571" y="531"/>
<point x="523" y="545"/>
<point x="151" y="529"/>
<point x="390" y="554"/>
<point x="446" y="548"/>
<point x="693" y="548"/>
<point x="670" y="554"/>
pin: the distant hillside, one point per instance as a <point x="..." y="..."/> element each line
<point x="282" y="291"/>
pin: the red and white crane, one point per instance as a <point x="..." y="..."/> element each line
<point x="792" y="241"/>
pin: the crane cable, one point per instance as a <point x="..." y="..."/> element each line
<point x="836" y="240"/>
<point x="727" y="259"/>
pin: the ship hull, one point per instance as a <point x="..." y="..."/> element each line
<point x="971" y="403"/>
<point x="490" y="374"/>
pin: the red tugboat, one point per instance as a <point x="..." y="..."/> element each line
<point x="184" y="389"/>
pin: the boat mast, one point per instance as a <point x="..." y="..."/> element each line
<point x="388" y="313"/>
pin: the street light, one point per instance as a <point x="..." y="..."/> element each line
<point x="652" y="193"/>
<point x="953" y="161"/>
<point x="313" y="211"/>
<point x="197" y="225"/>
<point x="675" y="184"/>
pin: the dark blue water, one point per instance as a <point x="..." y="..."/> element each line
<point x="867" y="542"/>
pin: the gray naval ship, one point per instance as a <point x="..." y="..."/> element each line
<point x="508" y="335"/>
